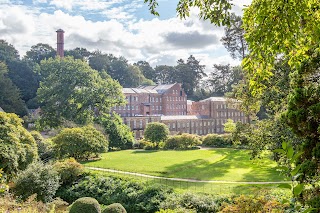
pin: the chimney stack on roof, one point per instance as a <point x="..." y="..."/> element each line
<point x="60" y="43"/>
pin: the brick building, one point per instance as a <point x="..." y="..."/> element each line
<point x="168" y="104"/>
<point x="154" y="101"/>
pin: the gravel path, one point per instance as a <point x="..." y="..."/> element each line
<point x="182" y="179"/>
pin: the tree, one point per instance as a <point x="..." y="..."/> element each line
<point x="146" y="70"/>
<point x="164" y="74"/>
<point x="234" y="40"/>
<point x="23" y="75"/>
<point x="39" y="52"/>
<point x="38" y="179"/>
<point x="17" y="146"/>
<point x="119" y="134"/>
<point x="8" y="52"/>
<point x="217" y="11"/>
<point x="78" y="53"/>
<point x="71" y="91"/>
<point x="10" y="99"/>
<point x="156" y="132"/>
<point x="80" y="143"/>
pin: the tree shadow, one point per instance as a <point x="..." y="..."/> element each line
<point x="232" y="166"/>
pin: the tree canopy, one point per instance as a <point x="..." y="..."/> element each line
<point x="70" y="90"/>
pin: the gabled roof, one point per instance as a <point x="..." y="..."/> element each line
<point x="220" y="99"/>
<point x="1" y="110"/>
<point x="137" y="90"/>
<point x="161" y="89"/>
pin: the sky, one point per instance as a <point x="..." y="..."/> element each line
<point x="121" y="27"/>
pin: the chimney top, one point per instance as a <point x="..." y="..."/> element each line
<point x="60" y="30"/>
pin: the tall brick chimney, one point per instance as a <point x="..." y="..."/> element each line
<point x="60" y="43"/>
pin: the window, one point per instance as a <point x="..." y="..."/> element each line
<point x="178" y="125"/>
<point x="157" y="108"/>
<point x="156" y="99"/>
<point x="140" y="123"/>
<point x="204" y="123"/>
<point x="173" y="125"/>
<point x="160" y="107"/>
<point x="188" y="124"/>
<point x="134" y="123"/>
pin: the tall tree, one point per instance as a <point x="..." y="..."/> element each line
<point x="10" y="99"/>
<point x="78" y="53"/>
<point x="8" y="52"/>
<point x="70" y="90"/>
<point x="39" y="52"/>
<point x="164" y="74"/>
<point x="234" y="40"/>
<point x="146" y="70"/>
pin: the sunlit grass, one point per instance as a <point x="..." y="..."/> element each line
<point x="217" y="164"/>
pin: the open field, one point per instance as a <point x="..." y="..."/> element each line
<point x="216" y="164"/>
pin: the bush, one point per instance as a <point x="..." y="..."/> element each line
<point x="214" y="140"/>
<point x="184" y="141"/>
<point x="38" y="179"/>
<point x="247" y="204"/>
<point x="114" y="208"/>
<point x="134" y="196"/>
<point x="85" y="205"/>
<point x="119" y="134"/>
<point x="80" y="143"/>
<point x="156" y="132"/>
<point x="17" y="146"/>
<point x="69" y="170"/>
<point x="45" y="150"/>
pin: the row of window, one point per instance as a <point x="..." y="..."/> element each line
<point x="230" y="114"/>
<point x="169" y="98"/>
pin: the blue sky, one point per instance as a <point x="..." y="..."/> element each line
<point x="121" y="27"/>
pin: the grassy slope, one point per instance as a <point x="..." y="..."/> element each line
<point x="217" y="164"/>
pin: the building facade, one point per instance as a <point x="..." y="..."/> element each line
<point x="168" y="104"/>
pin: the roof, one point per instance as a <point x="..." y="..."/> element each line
<point x="1" y="110"/>
<point x="159" y="88"/>
<point x="221" y="99"/>
<point x="180" y="117"/>
<point x="138" y="91"/>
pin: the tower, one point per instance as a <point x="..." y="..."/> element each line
<point x="60" y="43"/>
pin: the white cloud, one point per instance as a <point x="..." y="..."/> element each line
<point x="39" y="1"/>
<point x="65" y="4"/>
<point x="135" y="40"/>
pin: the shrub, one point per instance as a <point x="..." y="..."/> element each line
<point x="191" y="201"/>
<point x="248" y="204"/>
<point x="114" y="208"/>
<point x="119" y="134"/>
<point x="38" y="179"/>
<point x="69" y="170"/>
<point x="80" y="143"/>
<point x="3" y="186"/>
<point x="85" y="205"/>
<point x="184" y="141"/>
<point x="45" y="150"/>
<point x="214" y="140"/>
<point x="136" y="196"/>
<point x="17" y="146"/>
<point x="156" y="132"/>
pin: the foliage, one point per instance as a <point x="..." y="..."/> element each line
<point x="134" y="196"/>
<point x="3" y="186"/>
<point x="250" y="204"/>
<point x="23" y="75"/>
<point x="69" y="170"/>
<point x="40" y="52"/>
<point x="71" y="90"/>
<point x="45" y="149"/>
<point x="234" y="40"/>
<point x="119" y="134"/>
<point x="230" y="126"/>
<point x="10" y="204"/>
<point x="217" y="11"/>
<point x="215" y="140"/>
<point x="119" y="69"/>
<point x="189" y="201"/>
<point x="78" y="53"/>
<point x="17" y="146"/>
<point x="156" y="132"/>
<point x="38" y="179"/>
<point x="184" y="141"/>
<point x="114" y="208"/>
<point x="10" y="98"/>
<point x="146" y="70"/>
<point x="85" y="205"/>
<point x="80" y="143"/>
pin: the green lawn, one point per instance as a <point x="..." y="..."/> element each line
<point x="216" y="164"/>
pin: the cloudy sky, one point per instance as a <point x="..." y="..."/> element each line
<point x="120" y="27"/>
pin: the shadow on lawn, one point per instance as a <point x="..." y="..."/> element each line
<point x="205" y="169"/>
